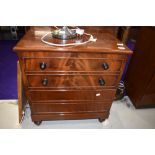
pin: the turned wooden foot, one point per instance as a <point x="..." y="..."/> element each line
<point x="101" y="120"/>
<point x="37" y="122"/>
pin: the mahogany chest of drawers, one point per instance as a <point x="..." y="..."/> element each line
<point x="70" y="82"/>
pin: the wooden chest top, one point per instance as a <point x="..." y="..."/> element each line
<point x="106" y="42"/>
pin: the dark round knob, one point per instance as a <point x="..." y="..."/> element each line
<point x="101" y="82"/>
<point x="42" y="65"/>
<point x="105" y="66"/>
<point x="45" y="82"/>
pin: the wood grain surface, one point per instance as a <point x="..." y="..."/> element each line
<point x="106" y="42"/>
<point x="71" y="82"/>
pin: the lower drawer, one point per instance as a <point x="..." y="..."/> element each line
<point x="45" y="108"/>
<point x="60" y="116"/>
<point x="77" y="95"/>
<point x="68" y="81"/>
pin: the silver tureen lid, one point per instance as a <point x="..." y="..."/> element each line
<point x="64" y="33"/>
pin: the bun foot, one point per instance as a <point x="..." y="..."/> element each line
<point x="101" y="120"/>
<point x="37" y="122"/>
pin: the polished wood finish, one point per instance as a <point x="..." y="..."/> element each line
<point x="49" y="95"/>
<point x="140" y="77"/>
<point x="106" y="43"/>
<point x="22" y="101"/>
<point x="71" y="116"/>
<point x="71" y="82"/>
<point x="77" y="81"/>
<point x="68" y="108"/>
<point x="74" y="64"/>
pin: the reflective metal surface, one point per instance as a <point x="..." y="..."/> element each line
<point x="64" y="33"/>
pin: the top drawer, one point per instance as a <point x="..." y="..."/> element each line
<point x="71" y="64"/>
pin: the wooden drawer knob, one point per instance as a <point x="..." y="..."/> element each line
<point x="101" y="82"/>
<point x="105" y="66"/>
<point x="45" y="82"/>
<point x="42" y="65"/>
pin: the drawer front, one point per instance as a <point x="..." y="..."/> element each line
<point x="70" y="95"/>
<point x="64" y="116"/>
<point x="72" y="81"/>
<point x="70" y="64"/>
<point x="46" y="108"/>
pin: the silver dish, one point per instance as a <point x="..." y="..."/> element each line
<point x="64" y="33"/>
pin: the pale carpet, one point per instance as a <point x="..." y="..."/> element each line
<point x="122" y="115"/>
